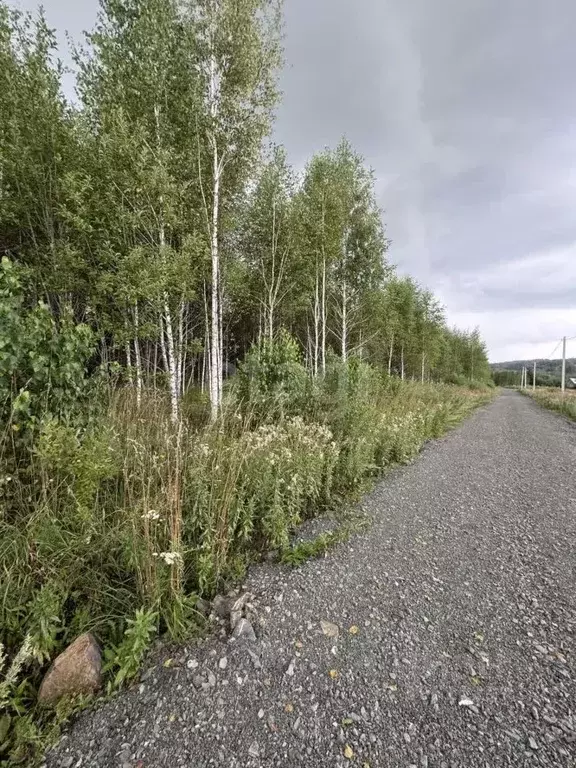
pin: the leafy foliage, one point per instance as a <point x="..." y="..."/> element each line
<point x="42" y="362"/>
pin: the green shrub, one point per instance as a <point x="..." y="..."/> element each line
<point x="271" y="381"/>
<point x="42" y="362"/>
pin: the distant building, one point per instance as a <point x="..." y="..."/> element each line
<point x="571" y="383"/>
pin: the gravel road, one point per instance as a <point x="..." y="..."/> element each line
<point x="455" y="616"/>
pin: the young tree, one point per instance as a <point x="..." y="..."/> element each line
<point x="135" y="86"/>
<point x="359" y="265"/>
<point x="237" y="56"/>
<point x="267" y="242"/>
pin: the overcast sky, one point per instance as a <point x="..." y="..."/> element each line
<point x="466" y="110"/>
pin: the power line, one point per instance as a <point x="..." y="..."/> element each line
<point x="554" y="350"/>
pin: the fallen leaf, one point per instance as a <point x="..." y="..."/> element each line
<point x="392" y="687"/>
<point x="347" y="721"/>
<point x="329" y="629"/>
<point x="353" y="630"/>
<point x="365" y="765"/>
<point x="172" y="717"/>
<point x="298" y="644"/>
<point x="348" y="752"/>
<point x="479" y="637"/>
<point x="289" y="707"/>
<point x="476" y="680"/>
<point x="333" y="674"/>
<point x="168" y="662"/>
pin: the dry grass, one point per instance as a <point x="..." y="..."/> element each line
<point x="556" y="400"/>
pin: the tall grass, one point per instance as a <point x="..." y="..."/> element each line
<point x="555" y="400"/>
<point x="119" y="526"/>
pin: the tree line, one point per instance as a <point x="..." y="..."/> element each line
<point x="154" y="208"/>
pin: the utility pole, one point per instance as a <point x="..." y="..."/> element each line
<point x="534" y="378"/>
<point x="563" y="364"/>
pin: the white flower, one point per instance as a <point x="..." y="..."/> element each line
<point x="151" y="515"/>
<point x="170" y="557"/>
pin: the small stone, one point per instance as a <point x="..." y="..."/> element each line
<point x="255" y="659"/>
<point x="211" y="679"/>
<point x="290" y="668"/>
<point x="541" y="649"/>
<point x="235" y="618"/>
<point x="260" y="714"/>
<point x="254" y="750"/>
<point x="202" y="606"/>
<point x="533" y="743"/>
<point x="221" y="606"/>
<point x="329" y="629"/>
<point x="244" y="631"/>
<point x="192" y="664"/>
<point x="223" y="663"/>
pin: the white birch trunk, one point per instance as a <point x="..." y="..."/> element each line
<point x="138" y="357"/>
<point x="344" y="322"/>
<point x="129" y="369"/>
<point x="323" y="305"/>
<point x="172" y="362"/>
<point x="215" y="339"/>
<point x="180" y="354"/>
<point x="172" y="367"/>
<point x="390" y="356"/>
<point x="316" y="323"/>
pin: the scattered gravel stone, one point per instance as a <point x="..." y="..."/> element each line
<point x="244" y="631"/>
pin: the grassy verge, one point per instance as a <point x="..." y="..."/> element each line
<point x="119" y="527"/>
<point x="553" y="399"/>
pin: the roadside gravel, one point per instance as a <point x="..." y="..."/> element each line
<point x="455" y="616"/>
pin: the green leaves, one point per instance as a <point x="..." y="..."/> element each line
<point x="42" y="363"/>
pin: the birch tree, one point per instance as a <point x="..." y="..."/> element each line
<point x="237" y="56"/>
<point x="267" y="244"/>
<point x="134" y="85"/>
<point x="359" y="266"/>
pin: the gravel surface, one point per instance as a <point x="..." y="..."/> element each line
<point x="447" y="635"/>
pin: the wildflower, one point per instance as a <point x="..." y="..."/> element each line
<point x="151" y="515"/>
<point x="170" y="557"/>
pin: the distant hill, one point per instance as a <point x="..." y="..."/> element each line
<point x="548" y="372"/>
<point x="549" y="366"/>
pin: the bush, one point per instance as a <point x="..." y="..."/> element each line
<point x="42" y="362"/>
<point x="271" y="382"/>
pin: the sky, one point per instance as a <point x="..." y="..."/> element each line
<point x="466" y="111"/>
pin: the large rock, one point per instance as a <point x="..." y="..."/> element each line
<point x="77" y="670"/>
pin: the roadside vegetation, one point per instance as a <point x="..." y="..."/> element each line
<point x="198" y="349"/>
<point x="553" y="399"/>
